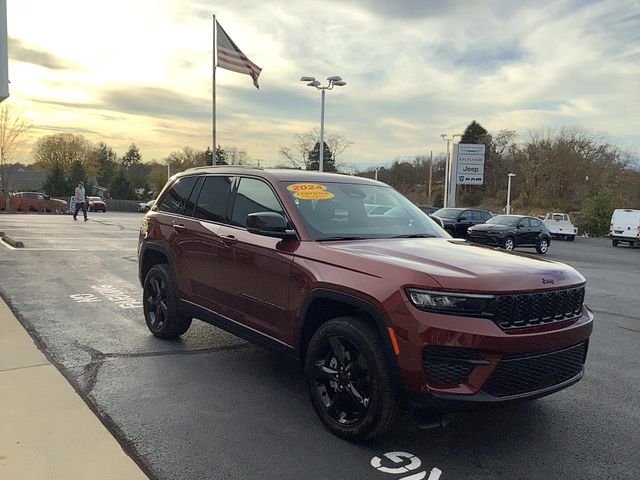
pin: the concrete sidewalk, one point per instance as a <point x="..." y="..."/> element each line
<point x="46" y="430"/>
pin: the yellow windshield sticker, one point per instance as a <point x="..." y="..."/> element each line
<point x="305" y="187"/>
<point x="313" y="195"/>
<point x="310" y="191"/>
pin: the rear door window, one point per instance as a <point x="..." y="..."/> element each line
<point x="253" y="196"/>
<point x="176" y="199"/>
<point x="212" y="202"/>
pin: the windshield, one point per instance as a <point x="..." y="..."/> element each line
<point x="337" y="211"/>
<point x="447" y="213"/>
<point x="504" y="220"/>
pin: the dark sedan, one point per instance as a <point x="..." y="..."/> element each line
<point x="511" y="231"/>
<point x="456" y="221"/>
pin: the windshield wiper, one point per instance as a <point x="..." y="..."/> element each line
<point x="414" y="235"/>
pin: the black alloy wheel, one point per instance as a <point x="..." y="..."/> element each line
<point x="350" y="381"/>
<point x="160" y="304"/>
<point x="342" y="382"/>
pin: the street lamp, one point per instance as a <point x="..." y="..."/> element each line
<point x="312" y="82"/>
<point x="508" y="209"/>
<point x="447" y="173"/>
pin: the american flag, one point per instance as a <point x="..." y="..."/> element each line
<point x="232" y="58"/>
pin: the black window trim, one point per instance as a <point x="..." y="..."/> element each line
<point x="159" y="200"/>
<point x="232" y="202"/>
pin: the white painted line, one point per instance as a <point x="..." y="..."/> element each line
<point x="7" y="245"/>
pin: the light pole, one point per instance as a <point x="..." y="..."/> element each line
<point x="508" y="209"/>
<point x="447" y="173"/>
<point x="312" y="82"/>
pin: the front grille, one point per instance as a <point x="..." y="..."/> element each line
<point x="449" y="365"/>
<point x="524" y="374"/>
<point x="530" y="309"/>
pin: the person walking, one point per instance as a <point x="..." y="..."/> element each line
<point x="80" y="202"/>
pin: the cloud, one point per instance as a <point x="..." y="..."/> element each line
<point x="20" y="52"/>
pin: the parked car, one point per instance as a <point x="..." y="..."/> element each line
<point x="458" y="220"/>
<point x="383" y="311"/>
<point x="625" y="226"/>
<point x="427" y="209"/>
<point x="512" y="231"/>
<point x="560" y="226"/>
<point x="37" y="202"/>
<point x="96" y="204"/>
<point x="145" y="206"/>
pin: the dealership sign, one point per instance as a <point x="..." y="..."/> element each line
<point x="469" y="164"/>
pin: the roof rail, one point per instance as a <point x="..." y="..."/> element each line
<point x="254" y="167"/>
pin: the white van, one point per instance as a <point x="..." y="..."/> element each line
<point x="625" y="226"/>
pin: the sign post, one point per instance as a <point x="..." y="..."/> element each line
<point x="4" y="53"/>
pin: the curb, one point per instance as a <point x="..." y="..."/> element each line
<point x="11" y="241"/>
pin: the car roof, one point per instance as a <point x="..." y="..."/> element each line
<point x="281" y="175"/>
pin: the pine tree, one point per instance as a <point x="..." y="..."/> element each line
<point x="121" y="188"/>
<point x="221" y="156"/>
<point x="328" y="162"/>
<point x="132" y="157"/>
<point x="473" y="133"/>
<point x="56" y="185"/>
<point x="77" y="174"/>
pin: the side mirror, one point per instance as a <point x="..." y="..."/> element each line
<point x="520" y="225"/>
<point x="270" y="224"/>
<point x="462" y="218"/>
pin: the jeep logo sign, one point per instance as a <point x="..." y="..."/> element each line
<point x="470" y="164"/>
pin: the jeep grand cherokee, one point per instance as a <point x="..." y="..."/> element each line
<point x="381" y="310"/>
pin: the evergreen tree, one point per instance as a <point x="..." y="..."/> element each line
<point x="328" y="163"/>
<point x="121" y="188"/>
<point x="56" y="185"/>
<point x="132" y="157"/>
<point x="77" y="174"/>
<point x="106" y="164"/>
<point x="473" y="133"/>
<point x="221" y="156"/>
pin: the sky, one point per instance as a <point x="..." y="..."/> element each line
<point x="140" y="71"/>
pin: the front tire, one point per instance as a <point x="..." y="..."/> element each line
<point x="614" y="243"/>
<point x="543" y="246"/>
<point x="350" y="380"/>
<point x="509" y="244"/>
<point x="161" y="305"/>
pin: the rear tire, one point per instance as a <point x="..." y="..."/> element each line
<point x="543" y="246"/>
<point x="161" y="305"/>
<point x="350" y="380"/>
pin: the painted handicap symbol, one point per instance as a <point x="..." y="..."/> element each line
<point x="396" y="463"/>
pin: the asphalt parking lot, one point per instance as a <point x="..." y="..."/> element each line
<point x="211" y="406"/>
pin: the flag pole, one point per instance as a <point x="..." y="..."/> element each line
<point x="213" y="95"/>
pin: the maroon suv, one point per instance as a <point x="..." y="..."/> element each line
<point x="383" y="310"/>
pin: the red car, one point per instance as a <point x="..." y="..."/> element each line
<point x="37" y="202"/>
<point x="96" y="204"/>
<point x="383" y="311"/>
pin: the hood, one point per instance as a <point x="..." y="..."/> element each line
<point x="461" y="266"/>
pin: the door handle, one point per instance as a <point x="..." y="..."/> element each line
<point x="179" y="228"/>
<point x="229" y="240"/>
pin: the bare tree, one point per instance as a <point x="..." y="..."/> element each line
<point x="297" y="155"/>
<point x="12" y="128"/>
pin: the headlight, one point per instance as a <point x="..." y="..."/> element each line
<point x="451" y="302"/>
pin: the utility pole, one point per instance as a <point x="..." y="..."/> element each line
<point x="430" y="175"/>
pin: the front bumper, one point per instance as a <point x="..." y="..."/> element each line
<point x="491" y="240"/>
<point x="473" y="359"/>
